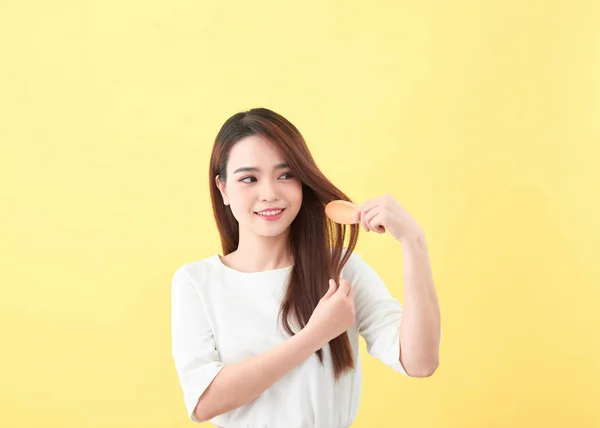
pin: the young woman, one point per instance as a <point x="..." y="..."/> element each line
<point x="266" y="335"/>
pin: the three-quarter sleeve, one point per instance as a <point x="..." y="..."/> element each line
<point x="193" y="347"/>
<point x="378" y="313"/>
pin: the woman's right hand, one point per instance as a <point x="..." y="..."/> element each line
<point x="334" y="313"/>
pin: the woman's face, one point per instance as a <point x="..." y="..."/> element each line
<point x="263" y="195"/>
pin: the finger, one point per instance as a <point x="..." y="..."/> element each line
<point x="332" y="288"/>
<point x="367" y="215"/>
<point x="362" y="210"/>
<point x="362" y="220"/>
<point x="366" y="206"/>
<point x="351" y="292"/>
<point x="376" y="223"/>
<point x="356" y="217"/>
<point x="344" y="287"/>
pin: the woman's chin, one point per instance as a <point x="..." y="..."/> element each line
<point x="270" y="231"/>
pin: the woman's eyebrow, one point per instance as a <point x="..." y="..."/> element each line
<point x="255" y="169"/>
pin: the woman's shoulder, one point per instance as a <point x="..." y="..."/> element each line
<point x="355" y="262"/>
<point x="354" y="255"/>
<point x="195" y="271"/>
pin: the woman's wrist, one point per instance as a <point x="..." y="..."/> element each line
<point x="313" y="337"/>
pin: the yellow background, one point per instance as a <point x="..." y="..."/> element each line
<point x="481" y="118"/>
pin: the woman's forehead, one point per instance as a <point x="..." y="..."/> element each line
<point x="254" y="151"/>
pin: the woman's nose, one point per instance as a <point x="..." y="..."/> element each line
<point x="268" y="193"/>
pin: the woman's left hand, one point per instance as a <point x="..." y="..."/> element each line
<point x="386" y="214"/>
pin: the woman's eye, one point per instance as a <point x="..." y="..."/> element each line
<point x="287" y="175"/>
<point x="248" y="180"/>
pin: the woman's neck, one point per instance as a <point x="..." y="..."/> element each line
<point x="257" y="253"/>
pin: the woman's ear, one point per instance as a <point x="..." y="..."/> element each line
<point x="221" y="186"/>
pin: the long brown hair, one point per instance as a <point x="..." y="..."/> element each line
<point x="317" y="244"/>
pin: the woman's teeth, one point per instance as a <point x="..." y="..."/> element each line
<point x="268" y="213"/>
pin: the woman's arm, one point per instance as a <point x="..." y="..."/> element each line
<point x="420" y="326"/>
<point x="239" y="383"/>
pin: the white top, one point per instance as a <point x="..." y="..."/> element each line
<point x="221" y="316"/>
